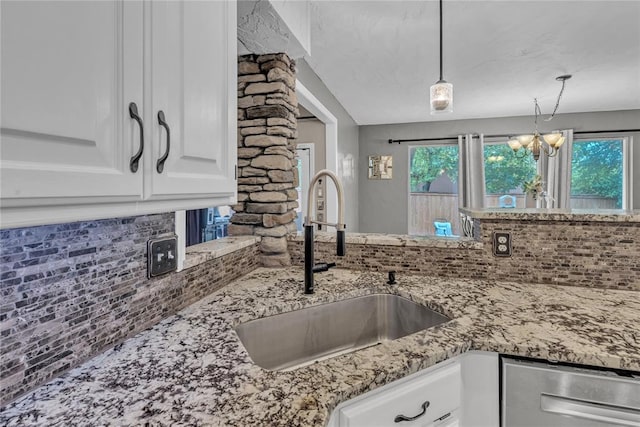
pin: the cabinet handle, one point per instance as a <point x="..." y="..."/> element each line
<point x="589" y="410"/>
<point x="400" y="418"/>
<point x="133" y="113"/>
<point x="161" y="160"/>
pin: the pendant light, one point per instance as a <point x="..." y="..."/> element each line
<point x="441" y="92"/>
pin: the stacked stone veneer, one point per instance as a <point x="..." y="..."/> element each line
<point x="267" y="132"/>
<point x="70" y="291"/>
<point x="591" y="254"/>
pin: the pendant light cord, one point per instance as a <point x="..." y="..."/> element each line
<point x="441" y="41"/>
<point x="563" y="79"/>
<point x="536" y="109"/>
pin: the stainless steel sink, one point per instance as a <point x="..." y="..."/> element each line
<point x="290" y="340"/>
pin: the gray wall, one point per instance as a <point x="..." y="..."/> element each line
<point x="347" y="140"/>
<point x="384" y="204"/>
<point x="312" y="131"/>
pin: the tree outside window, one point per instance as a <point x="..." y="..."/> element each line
<point x="433" y="198"/>
<point x="428" y="163"/>
<point x="506" y="173"/>
<point x="597" y="174"/>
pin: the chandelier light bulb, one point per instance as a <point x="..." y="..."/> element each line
<point x="441" y="97"/>
<point x="552" y="138"/>
<point x="514" y="144"/>
<point x="525" y="140"/>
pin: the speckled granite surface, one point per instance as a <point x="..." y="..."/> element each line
<point x="459" y="242"/>
<point x="191" y="369"/>
<point x="531" y="214"/>
<point x="203" y="252"/>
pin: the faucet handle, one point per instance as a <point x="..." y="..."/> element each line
<point x="342" y="243"/>
<point x="323" y="267"/>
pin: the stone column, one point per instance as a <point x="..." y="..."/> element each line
<point x="267" y="173"/>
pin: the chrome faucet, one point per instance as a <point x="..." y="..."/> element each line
<point x="309" y="263"/>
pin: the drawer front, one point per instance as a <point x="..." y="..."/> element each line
<point x="536" y="394"/>
<point x="435" y="395"/>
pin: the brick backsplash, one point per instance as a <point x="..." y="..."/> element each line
<point x="590" y="254"/>
<point x="70" y="291"/>
<point x="443" y="262"/>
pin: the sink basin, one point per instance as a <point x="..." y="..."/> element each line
<point x="290" y="340"/>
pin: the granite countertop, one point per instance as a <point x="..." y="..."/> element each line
<point x="383" y="239"/>
<point x="191" y="369"/>
<point x="532" y="214"/>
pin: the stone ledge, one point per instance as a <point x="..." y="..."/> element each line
<point x="575" y="215"/>
<point x="203" y="252"/>
<point x="454" y="242"/>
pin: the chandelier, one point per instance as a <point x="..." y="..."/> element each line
<point x="549" y="143"/>
<point x="441" y="92"/>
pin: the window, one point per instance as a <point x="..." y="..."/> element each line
<point x="207" y="224"/>
<point x="505" y="173"/>
<point x="433" y="197"/>
<point x="599" y="176"/>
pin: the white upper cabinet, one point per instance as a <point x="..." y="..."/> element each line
<point x="71" y="72"/>
<point x="194" y="84"/>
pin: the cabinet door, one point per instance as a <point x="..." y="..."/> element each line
<point x="193" y="82"/>
<point x="69" y="72"/>
<point x="431" y="398"/>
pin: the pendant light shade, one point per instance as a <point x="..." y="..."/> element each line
<point x="441" y="93"/>
<point x="441" y="97"/>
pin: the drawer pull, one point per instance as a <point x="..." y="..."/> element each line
<point x="133" y="113"/>
<point x="162" y="122"/>
<point x="400" y="418"/>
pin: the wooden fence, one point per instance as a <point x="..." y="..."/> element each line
<point x="425" y="208"/>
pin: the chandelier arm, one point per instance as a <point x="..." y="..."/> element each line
<point x="552" y="152"/>
<point x="548" y="150"/>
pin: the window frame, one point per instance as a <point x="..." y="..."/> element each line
<point x="627" y="161"/>
<point x="436" y="143"/>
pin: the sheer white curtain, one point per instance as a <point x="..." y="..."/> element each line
<point x="471" y="171"/>
<point x="556" y="172"/>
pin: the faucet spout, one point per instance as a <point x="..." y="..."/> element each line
<point x="309" y="262"/>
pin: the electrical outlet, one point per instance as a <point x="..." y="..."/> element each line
<point x="162" y="256"/>
<point x="501" y="244"/>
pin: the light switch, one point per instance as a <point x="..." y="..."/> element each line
<point x="501" y="244"/>
<point x="161" y="256"/>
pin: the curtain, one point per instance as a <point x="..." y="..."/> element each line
<point x="471" y="190"/>
<point x="556" y="171"/>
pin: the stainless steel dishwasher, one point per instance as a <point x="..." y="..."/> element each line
<point x="536" y="394"/>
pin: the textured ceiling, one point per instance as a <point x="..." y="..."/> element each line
<point x="380" y="57"/>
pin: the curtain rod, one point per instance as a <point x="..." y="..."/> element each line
<point x="509" y="135"/>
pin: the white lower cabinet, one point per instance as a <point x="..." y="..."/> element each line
<point x="462" y="391"/>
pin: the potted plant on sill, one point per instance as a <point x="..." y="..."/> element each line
<point x="533" y="191"/>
